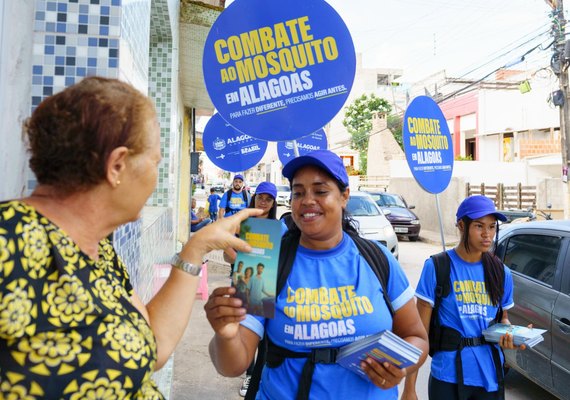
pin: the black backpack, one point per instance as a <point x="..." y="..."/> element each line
<point x="289" y="243"/>
<point x="229" y="197"/>
<point x="443" y="338"/>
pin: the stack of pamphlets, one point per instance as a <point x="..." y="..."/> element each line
<point x="521" y="334"/>
<point x="383" y="346"/>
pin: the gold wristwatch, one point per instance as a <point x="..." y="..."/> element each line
<point x="185" y="266"/>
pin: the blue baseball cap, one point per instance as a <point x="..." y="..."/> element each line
<point x="478" y="206"/>
<point x="324" y="159"/>
<point x="266" y="188"/>
<point x="238" y="176"/>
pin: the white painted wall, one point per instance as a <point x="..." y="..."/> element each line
<point x="510" y="110"/>
<point x="490" y="148"/>
<point x="16" y="18"/>
<point x="476" y="172"/>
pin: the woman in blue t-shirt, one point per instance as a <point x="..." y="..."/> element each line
<point x="480" y="287"/>
<point x="331" y="297"/>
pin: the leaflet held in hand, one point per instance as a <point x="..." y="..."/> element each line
<point x="383" y="346"/>
<point x="255" y="273"/>
<point x="521" y="334"/>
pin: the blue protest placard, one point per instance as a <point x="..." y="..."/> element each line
<point x="315" y="141"/>
<point x="229" y="149"/>
<point x="279" y="70"/>
<point x="428" y="145"/>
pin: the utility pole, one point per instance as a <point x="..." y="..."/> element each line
<point x="559" y="63"/>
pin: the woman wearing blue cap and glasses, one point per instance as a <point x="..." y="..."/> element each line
<point x="463" y="365"/>
<point x="331" y="297"/>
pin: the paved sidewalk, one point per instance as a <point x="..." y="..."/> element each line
<point x="194" y="375"/>
<point x="434" y="237"/>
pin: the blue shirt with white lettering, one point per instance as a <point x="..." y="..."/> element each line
<point x="468" y="309"/>
<point x="331" y="298"/>
<point x="236" y="202"/>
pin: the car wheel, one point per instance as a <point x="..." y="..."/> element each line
<point x="413" y="238"/>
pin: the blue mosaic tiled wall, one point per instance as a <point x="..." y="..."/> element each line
<point x="160" y="89"/>
<point x="135" y="43"/>
<point x="73" y="39"/>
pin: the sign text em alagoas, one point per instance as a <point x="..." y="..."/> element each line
<point x="285" y="47"/>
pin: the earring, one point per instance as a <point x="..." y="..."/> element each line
<point x="118" y="182"/>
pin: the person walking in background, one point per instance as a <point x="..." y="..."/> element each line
<point x="71" y="324"/>
<point x="213" y="200"/>
<point x="327" y="260"/>
<point x="233" y="200"/>
<point x="465" y="366"/>
<point x="197" y="223"/>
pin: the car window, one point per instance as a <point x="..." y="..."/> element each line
<point x="361" y="206"/>
<point x="390" y="200"/>
<point x="283" y="188"/>
<point x="533" y="255"/>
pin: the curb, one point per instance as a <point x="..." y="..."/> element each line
<point x="434" y="238"/>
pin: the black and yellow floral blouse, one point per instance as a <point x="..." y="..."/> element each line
<point x="68" y="329"/>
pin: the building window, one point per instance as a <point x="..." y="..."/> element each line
<point x="383" y="79"/>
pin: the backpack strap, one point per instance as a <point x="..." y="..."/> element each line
<point x="442" y="265"/>
<point x="378" y="262"/>
<point x="228" y="195"/>
<point x="257" y="368"/>
<point x="287" y="253"/>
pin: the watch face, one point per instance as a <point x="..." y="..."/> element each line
<point x="190" y="268"/>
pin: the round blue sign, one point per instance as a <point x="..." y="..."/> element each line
<point x="315" y="141"/>
<point x="230" y="149"/>
<point x="427" y="144"/>
<point x="279" y="70"/>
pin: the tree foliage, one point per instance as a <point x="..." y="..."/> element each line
<point x="358" y="122"/>
<point x="395" y="126"/>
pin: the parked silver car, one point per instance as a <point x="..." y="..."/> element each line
<point x="538" y="254"/>
<point x="373" y="224"/>
<point x="283" y="195"/>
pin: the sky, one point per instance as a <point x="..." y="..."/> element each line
<point x="425" y="36"/>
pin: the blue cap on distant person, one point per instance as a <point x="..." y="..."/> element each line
<point x="238" y="176"/>
<point x="266" y="188"/>
<point x="324" y="159"/>
<point x="478" y="206"/>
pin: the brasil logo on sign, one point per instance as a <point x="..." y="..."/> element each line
<point x="229" y="149"/>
